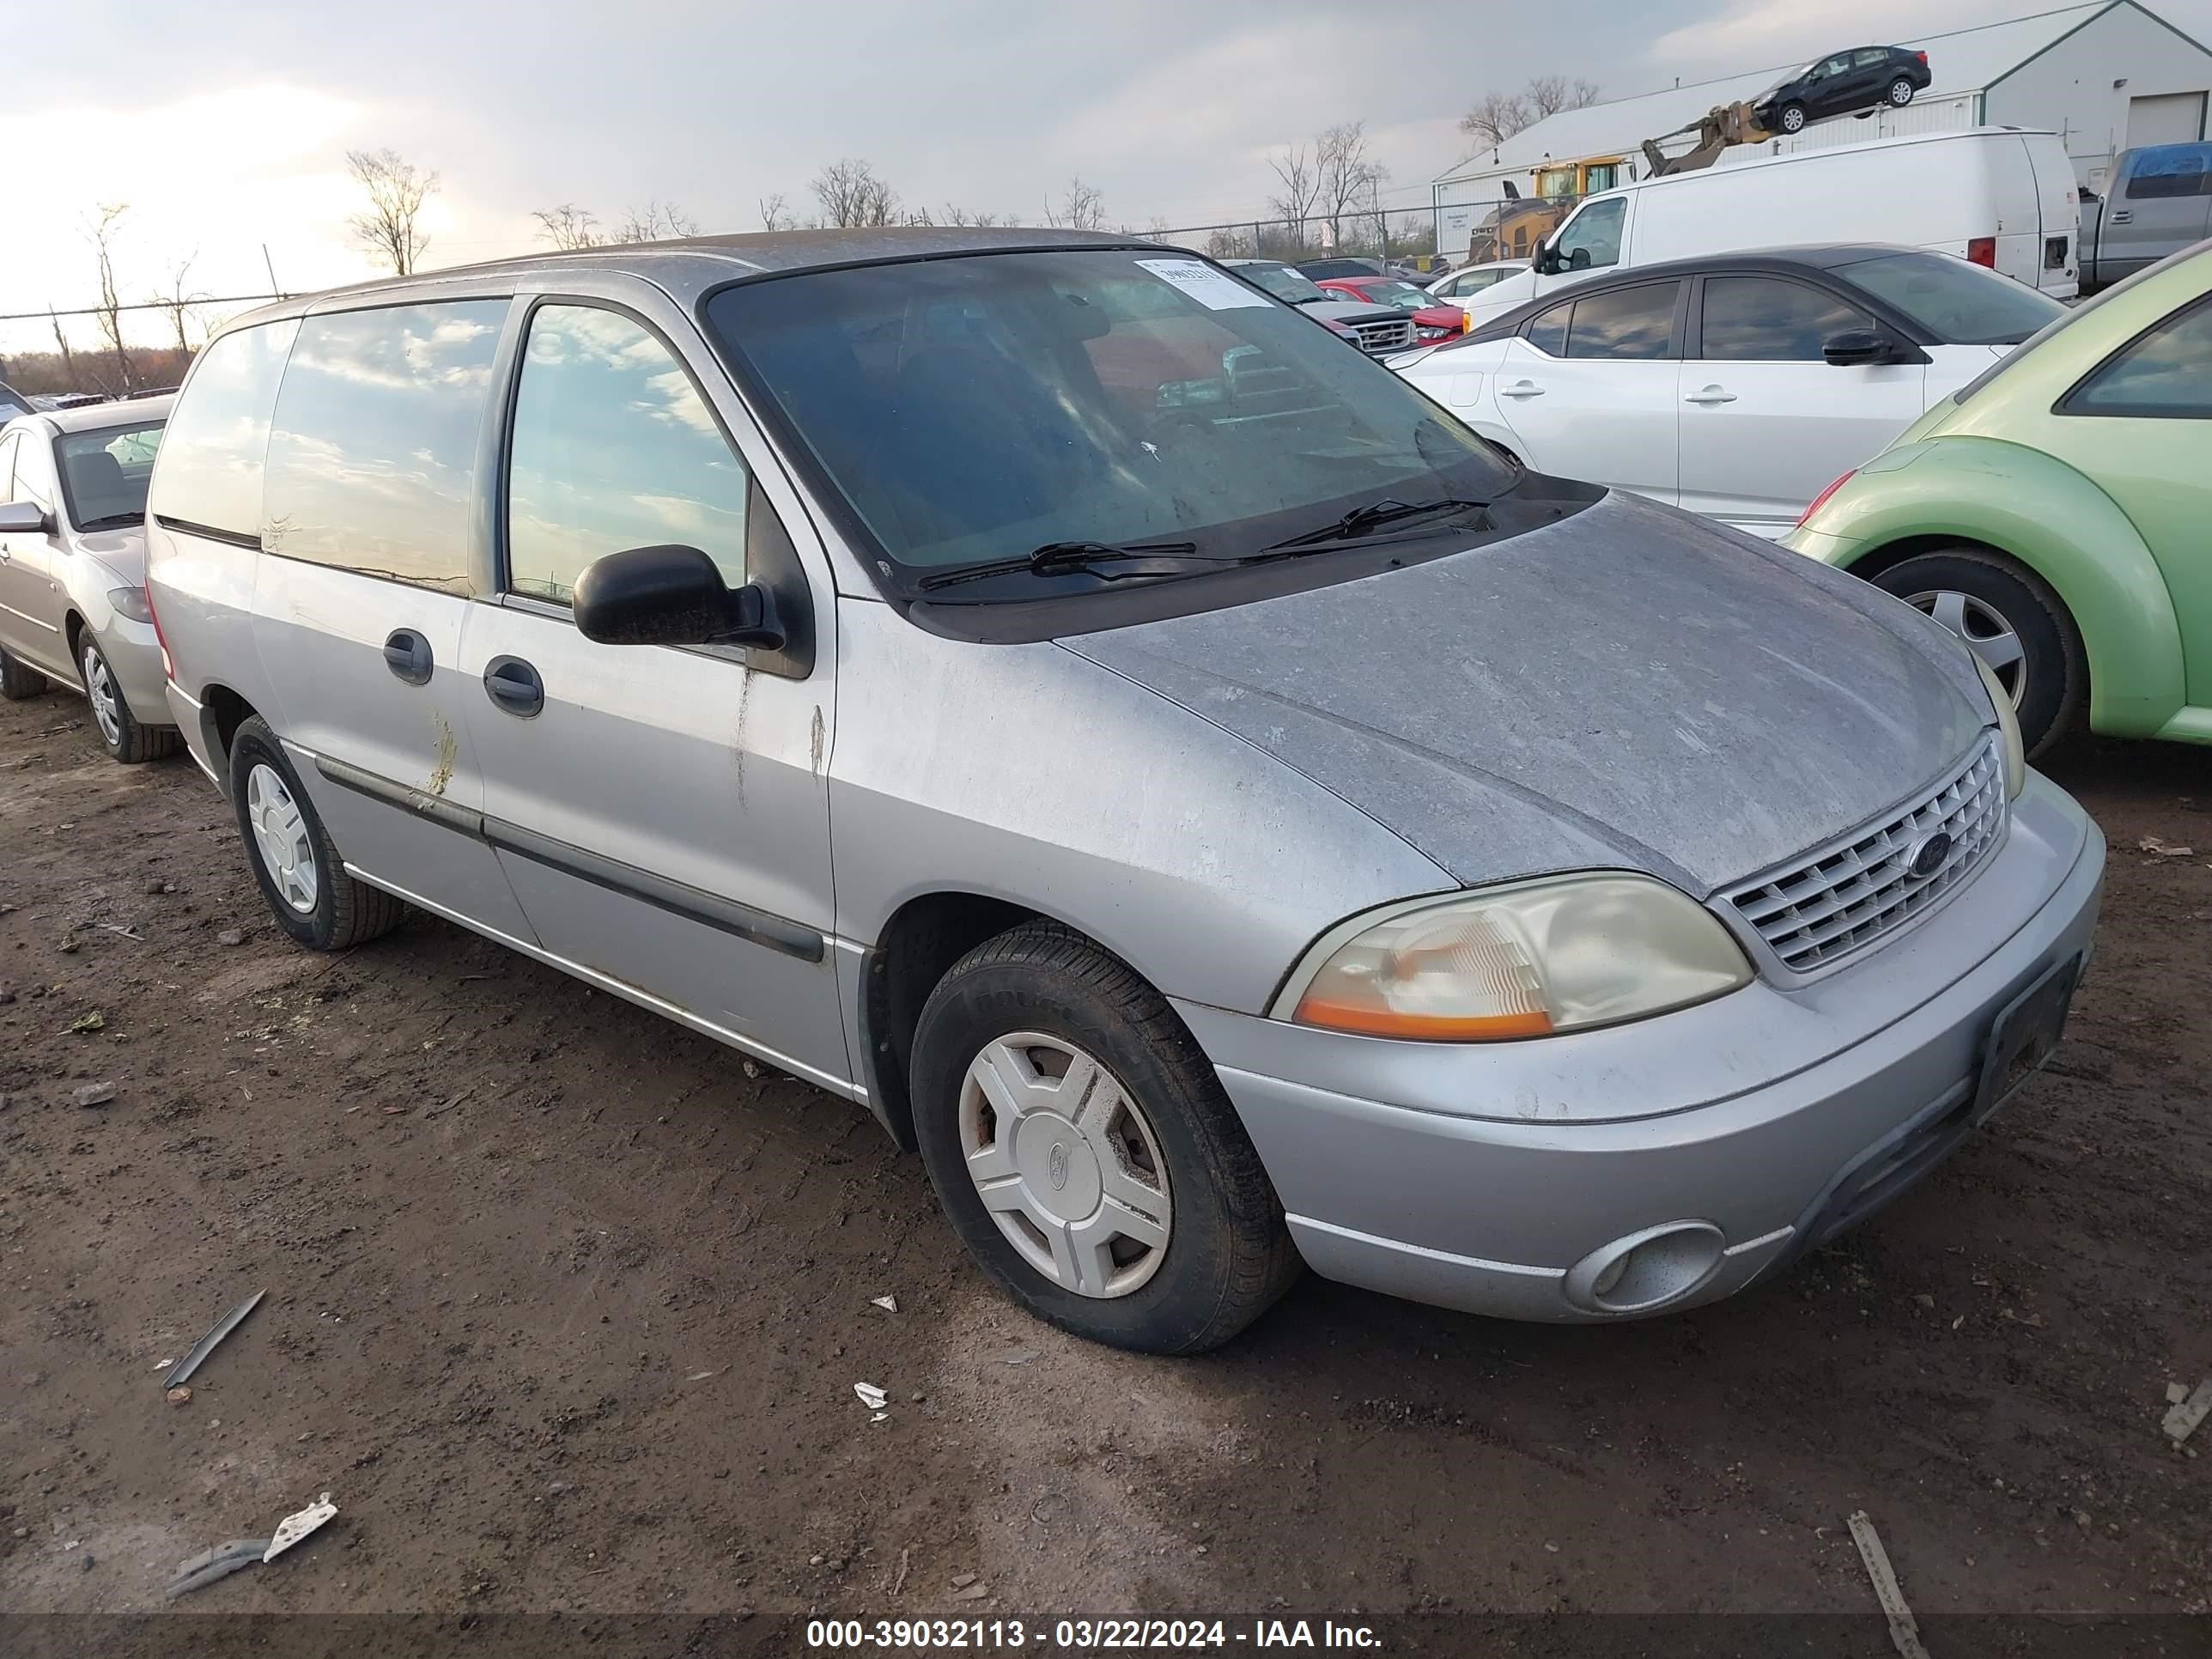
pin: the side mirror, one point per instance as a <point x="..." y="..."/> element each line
<point x="671" y="596"/>
<point x="1856" y="346"/>
<point x="22" y="518"/>
<point x="1546" y="262"/>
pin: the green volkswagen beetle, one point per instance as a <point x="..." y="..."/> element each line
<point x="2057" y="513"/>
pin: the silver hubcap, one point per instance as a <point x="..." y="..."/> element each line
<point x="1985" y="630"/>
<point x="106" y="702"/>
<point x="1066" y="1164"/>
<point x="1792" y="119"/>
<point x="280" y="834"/>
<point x="1900" y="92"/>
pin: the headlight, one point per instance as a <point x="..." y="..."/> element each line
<point x="2008" y="723"/>
<point x="130" y="602"/>
<point x="1523" y="960"/>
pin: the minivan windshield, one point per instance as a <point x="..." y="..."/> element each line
<point x="979" y="408"/>
<point x="1959" y="304"/>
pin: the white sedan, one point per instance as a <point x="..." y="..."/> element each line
<point x="1736" y="386"/>
<point x="1463" y="282"/>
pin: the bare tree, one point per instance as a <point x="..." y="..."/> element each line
<point x="656" y="222"/>
<point x="396" y="191"/>
<point x="568" y="226"/>
<point x="775" y="213"/>
<point x="1345" y="174"/>
<point x="851" y="194"/>
<point x="965" y="216"/>
<point x="102" y="233"/>
<point x="1547" y="94"/>
<point x="62" y="346"/>
<point x="1497" y="116"/>
<point x="1301" y="189"/>
<point x="1084" y="208"/>
<point x="178" y="303"/>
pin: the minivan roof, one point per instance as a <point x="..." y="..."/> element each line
<point x="1726" y="168"/>
<point x="687" y="267"/>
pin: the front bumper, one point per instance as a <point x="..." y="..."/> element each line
<point x="1481" y="1178"/>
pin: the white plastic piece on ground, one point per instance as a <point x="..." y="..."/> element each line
<point x="1903" y="1634"/>
<point x="888" y="1303"/>
<point x="294" y="1527"/>
<point x="871" y="1396"/>
<point x="2183" y="1420"/>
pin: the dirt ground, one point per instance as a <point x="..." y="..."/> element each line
<point x="565" y="1308"/>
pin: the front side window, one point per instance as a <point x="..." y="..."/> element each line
<point x="613" y="448"/>
<point x="1957" y="303"/>
<point x="2172" y="170"/>
<point x="32" y="482"/>
<point x="1628" y="323"/>
<point x="105" y="474"/>
<point x="208" y="475"/>
<point x="1766" y="320"/>
<point x="2165" y="374"/>
<point x="979" y="408"/>
<point x="372" y="452"/>
<point x="1591" y="240"/>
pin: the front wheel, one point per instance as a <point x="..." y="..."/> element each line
<point x="2010" y="619"/>
<point x="122" y="733"/>
<point x="1086" y="1155"/>
<point x="1793" y="118"/>
<point x="1900" y="92"/>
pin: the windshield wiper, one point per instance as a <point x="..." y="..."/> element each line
<point x="113" y="520"/>
<point x="1066" y="558"/>
<point x="1366" y="521"/>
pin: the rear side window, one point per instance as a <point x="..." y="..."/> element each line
<point x="2164" y="374"/>
<point x="372" y="453"/>
<point x="208" y="475"/>
<point x="2172" y="170"/>
<point x="1629" y="323"/>
<point x="613" y="448"/>
<point x="1764" y="319"/>
<point x="1547" y="332"/>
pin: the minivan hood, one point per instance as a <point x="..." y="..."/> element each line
<point x="1631" y="687"/>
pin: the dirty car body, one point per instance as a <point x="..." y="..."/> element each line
<point x="1490" y="889"/>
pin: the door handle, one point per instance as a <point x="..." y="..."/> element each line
<point x="1521" y="389"/>
<point x="407" y="654"/>
<point x="2124" y="216"/>
<point x="514" y="686"/>
<point x="1711" y="394"/>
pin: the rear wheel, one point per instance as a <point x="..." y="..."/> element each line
<point x="1793" y="118"/>
<point x="1900" y="92"/>
<point x="2010" y="619"/>
<point x="18" y="682"/>
<point x="309" y="892"/>
<point x="122" y="733"/>
<point x="1083" y="1148"/>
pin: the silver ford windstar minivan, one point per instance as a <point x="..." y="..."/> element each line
<point x="1042" y="686"/>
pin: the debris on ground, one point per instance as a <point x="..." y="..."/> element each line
<point x="93" y="1094"/>
<point x="220" y="1562"/>
<point x="2176" y="1392"/>
<point x="1903" y="1632"/>
<point x="871" y="1396"/>
<point x="298" y="1524"/>
<point x="118" y="928"/>
<point x="2182" y="1420"/>
<point x="230" y="936"/>
<point x="701" y="1377"/>
<point x="85" y="1024"/>
<point x="179" y="1395"/>
<point x="906" y="1555"/>
<point x="2153" y="844"/>
<point x="972" y="1592"/>
<point x="205" y="1346"/>
<point x="888" y="1303"/>
<point x="1013" y="1356"/>
<point x="961" y="1580"/>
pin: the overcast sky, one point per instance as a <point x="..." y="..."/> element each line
<point x="233" y="130"/>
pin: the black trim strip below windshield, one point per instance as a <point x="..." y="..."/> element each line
<point x="232" y="538"/>
<point x="648" y="886"/>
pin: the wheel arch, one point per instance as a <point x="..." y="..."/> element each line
<point x="2032" y="509"/>
<point x="222" y="711"/>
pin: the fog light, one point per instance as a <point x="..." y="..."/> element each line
<point x="1645" y="1270"/>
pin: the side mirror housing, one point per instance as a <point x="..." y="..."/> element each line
<point x="1855" y="347"/>
<point x="671" y="595"/>
<point x="23" y="518"/>
<point x="1546" y="263"/>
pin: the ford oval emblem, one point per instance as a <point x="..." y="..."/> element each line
<point x="1055" y="1164"/>
<point x="1925" y="857"/>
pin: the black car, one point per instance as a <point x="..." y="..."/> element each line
<point x="1843" y="83"/>
<point x="1317" y="269"/>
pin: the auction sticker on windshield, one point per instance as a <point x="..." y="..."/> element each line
<point x="1216" y="290"/>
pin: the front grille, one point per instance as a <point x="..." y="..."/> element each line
<point x="1391" y="334"/>
<point x="1842" y="897"/>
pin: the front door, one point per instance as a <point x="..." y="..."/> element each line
<point x="662" y="813"/>
<point x="30" y="585"/>
<point x="1589" y="388"/>
<point x="1766" y="422"/>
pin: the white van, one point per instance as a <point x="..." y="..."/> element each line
<point x="2001" y="197"/>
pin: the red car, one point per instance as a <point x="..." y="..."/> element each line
<point x="1433" y="319"/>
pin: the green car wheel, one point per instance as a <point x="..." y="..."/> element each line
<point x="2012" y="621"/>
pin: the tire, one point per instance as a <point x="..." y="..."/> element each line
<point x="1793" y="118"/>
<point x="18" y="682"/>
<point x="1995" y="597"/>
<point x="125" y="738"/>
<point x="1901" y="92"/>
<point x="1208" y="1252"/>
<point x="334" y="912"/>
